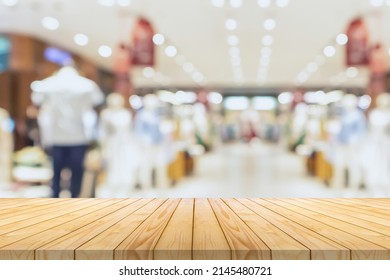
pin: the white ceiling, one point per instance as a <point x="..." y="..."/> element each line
<point x="197" y="29"/>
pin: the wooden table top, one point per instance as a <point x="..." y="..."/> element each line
<point x="280" y="229"/>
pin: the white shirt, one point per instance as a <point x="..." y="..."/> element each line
<point x="68" y="100"/>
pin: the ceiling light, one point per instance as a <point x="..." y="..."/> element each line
<point x="218" y="3"/>
<point x="135" y="102"/>
<point x="236" y="3"/>
<point x="10" y="3"/>
<point x="234" y="52"/>
<point x="236" y="61"/>
<point x="123" y="3"/>
<point x="312" y="67"/>
<point x="352" y="72"/>
<point x="233" y="40"/>
<point x="215" y="98"/>
<point x="264" y="3"/>
<point x="266" y="51"/>
<point x="329" y="51"/>
<point x="105" y="51"/>
<point x="302" y="77"/>
<point x="107" y="3"/>
<point x="231" y="24"/>
<point x="320" y="60"/>
<point x="198" y="77"/>
<point x="170" y="51"/>
<point x="342" y="39"/>
<point x="148" y="72"/>
<point x="158" y="39"/>
<point x="180" y="59"/>
<point x="365" y="102"/>
<point x="282" y="3"/>
<point x="285" y="98"/>
<point x="377" y="3"/>
<point x="268" y="40"/>
<point x="265" y="61"/>
<point x="388" y="2"/>
<point x="80" y="39"/>
<point x="269" y="24"/>
<point x="188" y="67"/>
<point x="50" y="23"/>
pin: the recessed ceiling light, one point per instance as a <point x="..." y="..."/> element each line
<point x="158" y="39"/>
<point x="377" y="3"/>
<point x="188" y="67"/>
<point x="342" y="39"/>
<point x="170" y="51"/>
<point x="312" y="67"/>
<point x="148" y="72"/>
<point x="264" y="3"/>
<point x="50" y="23"/>
<point x="231" y="24"/>
<point x="329" y="51"/>
<point x="282" y="3"/>
<point x="105" y="51"/>
<point x="233" y="40"/>
<point x="352" y="72"/>
<point x="266" y="51"/>
<point x="10" y="3"/>
<point x="218" y="3"/>
<point x="180" y="59"/>
<point x="123" y="3"/>
<point x="81" y="39"/>
<point x="236" y="3"/>
<point x="269" y="24"/>
<point x="268" y="40"/>
<point x="107" y="3"/>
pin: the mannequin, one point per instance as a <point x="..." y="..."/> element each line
<point x="67" y="100"/>
<point x="377" y="152"/>
<point x="349" y="143"/>
<point x="150" y="141"/>
<point x="119" y="151"/>
<point x="6" y="146"/>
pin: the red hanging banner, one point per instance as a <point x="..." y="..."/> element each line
<point x="122" y="69"/>
<point x="357" y="49"/>
<point x="143" y="46"/>
<point x="378" y="67"/>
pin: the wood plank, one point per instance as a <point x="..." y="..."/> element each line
<point x="64" y="247"/>
<point x="372" y="215"/>
<point x="141" y="243"/>
<point x="26" y="247"/>
<point x="66" y="216"/>
<point x="29" y="209"/>
<point x="209" y="242"/>
<point x="321" y="247"/>
<point x="25" y="220"/>
<point x="244" y="243"/>
<point x="329" y="219"/>
<point x="176" y="241"/>
<point x="370" y="203"/>
<point x="15" y="202"/>
<point x="325" y="209"/>
<point x="360" y="249"/>
<point x="102" y="246"/>
<point x="369" y="207"/>
<point x="282" y="245"/>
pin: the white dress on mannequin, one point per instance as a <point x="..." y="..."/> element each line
<point x="377" y="163"/>
<point x="119" y="150"/>
<point x="348" y="157"/>
<point x="150" y="141"/>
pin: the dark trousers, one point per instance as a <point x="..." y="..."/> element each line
<point x="71" y="157"/>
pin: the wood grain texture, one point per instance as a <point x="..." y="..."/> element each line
<point x="183" y="229"/>
<point x="209" y="240"/>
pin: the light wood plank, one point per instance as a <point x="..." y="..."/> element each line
<point x="141" y="243"/>
<point x="22" y="221"/>
<point x="30" y="244"/>
<point x="244" y="243"/>
<point x="321" y="247"/>
<point x="102" y="246"/>
<point x="64" y="247"/>
<point x="329" y="219"/>
<point x="209" y="242"/>
<point x="360" y="248"/>
<point x="282" y="245"/>
<point x="176" y="241"/>
<point x="14" y="236"/>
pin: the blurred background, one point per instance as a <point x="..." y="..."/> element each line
<point x="195" y="98"/>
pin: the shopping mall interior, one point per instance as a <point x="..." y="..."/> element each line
<point x="195" y="98"/>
